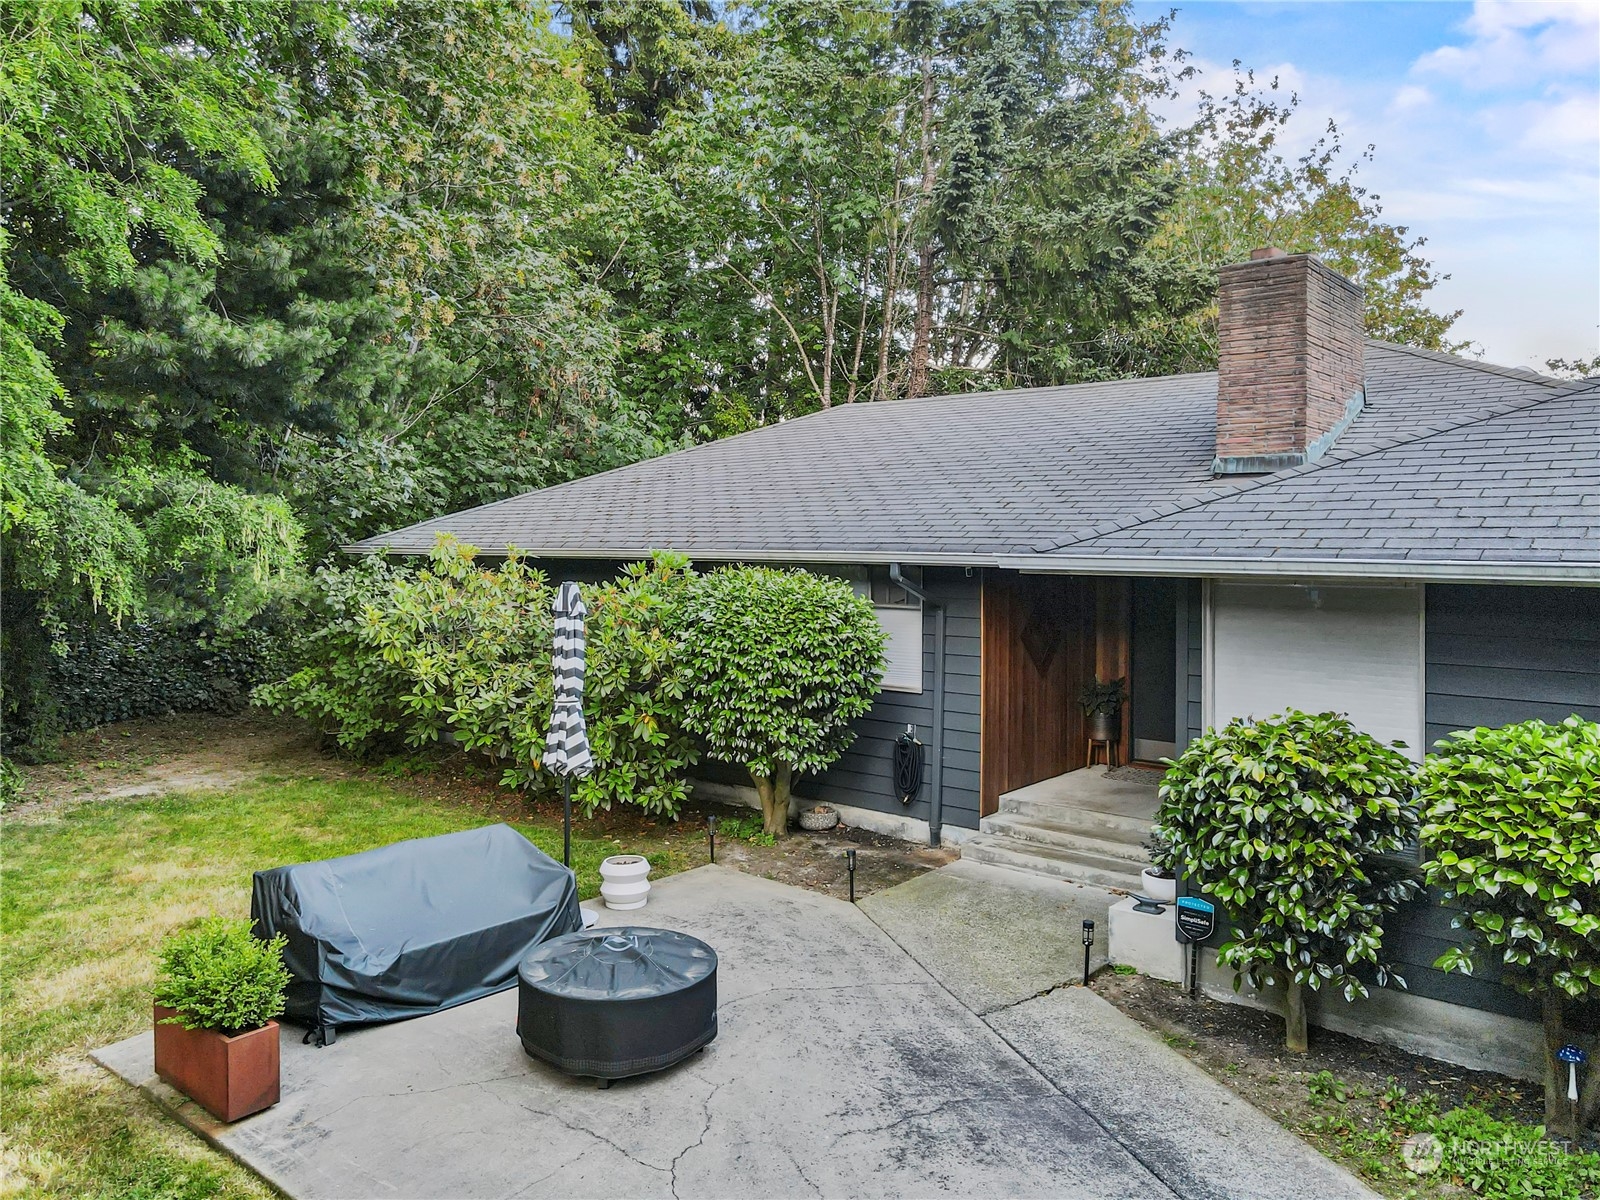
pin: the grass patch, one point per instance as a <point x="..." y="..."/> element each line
<point x="1464" y="1148"/>
<point x="88" y="892"/>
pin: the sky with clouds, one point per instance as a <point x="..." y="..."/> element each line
<point x="1486" y="121"/>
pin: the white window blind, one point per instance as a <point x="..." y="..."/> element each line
<point x="1355" y="650"/>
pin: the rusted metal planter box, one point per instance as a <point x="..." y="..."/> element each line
<point x="229" y="1077"/>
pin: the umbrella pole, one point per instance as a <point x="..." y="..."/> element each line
<point x="566" y="821"/>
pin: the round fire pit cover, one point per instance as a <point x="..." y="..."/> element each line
<point x="617" y="1002"/>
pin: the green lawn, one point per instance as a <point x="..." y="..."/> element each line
<point x="88" y="892"/>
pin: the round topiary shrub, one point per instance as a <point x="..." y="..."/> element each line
<point x="775" y="666"/>
<point x="1291" y="824"/>
<point x="218" y="975"/>
<point x="1510" y="825"/>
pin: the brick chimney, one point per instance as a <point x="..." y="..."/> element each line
<point x="1289" y="361"/>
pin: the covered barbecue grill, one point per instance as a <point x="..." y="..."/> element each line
<point x="617" y="1002"/>
<point x="412" y="928"/>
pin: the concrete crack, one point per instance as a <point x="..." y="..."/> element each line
<point x="1050" y="1083"/>
<point x="531" y="1184"/>
<point x="599" y="1137"/>
<point x="705" y="1109"/>
<point x="1000" y="1008"/>
<point x="801" y="1171"/>
<point x="912" y="1116"/>
<point x="317" y="1118"/>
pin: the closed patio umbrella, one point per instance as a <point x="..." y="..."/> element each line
<point x="566" y="750"/>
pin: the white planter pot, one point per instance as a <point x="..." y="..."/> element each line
<point x="625" y="881"/>
<point x="1157" y="888"/>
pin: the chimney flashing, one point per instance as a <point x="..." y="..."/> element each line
<point x="1290" y="371"/>
<point x="1267" y="464"/>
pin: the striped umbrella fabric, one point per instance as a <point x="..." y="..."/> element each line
<point x="566" y="749"/>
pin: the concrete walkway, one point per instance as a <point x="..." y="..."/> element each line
<point x="843" y="1068"/>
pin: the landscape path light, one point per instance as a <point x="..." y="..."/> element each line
<point x="1574" y="1058"/>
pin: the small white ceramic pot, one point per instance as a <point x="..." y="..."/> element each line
<point x="1157" y="888"/>
<point x="625" y="881"/>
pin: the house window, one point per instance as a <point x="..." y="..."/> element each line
<point x="900" y="615"/>
<point x="1318" y="647"/>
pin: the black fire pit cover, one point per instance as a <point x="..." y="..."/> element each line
<point x="617" y="1002"/>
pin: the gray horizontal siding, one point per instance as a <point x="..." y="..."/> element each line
<point x="864" y="776"/>
<point x="1414" y="939"/>
<point x="1193" y="613"/>
<point x="1501" y="654"/>
<point x="1494" y="655"/>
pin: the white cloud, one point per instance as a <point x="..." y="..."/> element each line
<point x="1410" y="98"/>
<point x="1518" y="42"/>
<point x="1489" y="147"/>
<point x="1565" y="127"/>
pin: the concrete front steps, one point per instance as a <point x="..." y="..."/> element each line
<point x="1080" y="827"/>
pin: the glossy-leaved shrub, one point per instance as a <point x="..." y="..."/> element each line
<point x="633" y="693"/>
<point x="1295" y="825"/>
<point x="1510" y="828"/>
<point x="458" y="652"/>
<point x="218" y="975"/>
<point x="776" y="665"/>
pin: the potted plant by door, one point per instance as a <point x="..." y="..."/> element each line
<point x="1159" y="881"/>
<point x="1102" y="703"/>
<point x="218" y="988"/>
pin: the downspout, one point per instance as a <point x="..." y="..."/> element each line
<point x="936" y="792"/>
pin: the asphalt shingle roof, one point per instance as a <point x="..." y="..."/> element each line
<point x="1521" y="486"/>
<point x="1475" y="458"/>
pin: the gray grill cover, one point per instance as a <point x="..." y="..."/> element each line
<point x="412" y="928"/>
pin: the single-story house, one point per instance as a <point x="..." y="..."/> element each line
<point x="1325" y="521"/>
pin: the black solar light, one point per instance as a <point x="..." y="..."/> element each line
<point x="1088" y="941"/>
<point x="850" y="858"/>
<point x="711" y="834"/>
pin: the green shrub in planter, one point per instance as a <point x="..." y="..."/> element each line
<point x="219" y="975"/>
<point x="1510" y="825"/>
<point x="1290" y="823"/>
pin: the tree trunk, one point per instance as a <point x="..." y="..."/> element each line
<point x="1557" y="1108"/>
<point x="891" y="284"/>
<point x="830" y="327"/>
<point x="922" y="326"/>
<point x="774" y="792"/>
<point x="1294" y="1017"/>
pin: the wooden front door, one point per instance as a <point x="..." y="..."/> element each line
<point x="1044" y="637"/>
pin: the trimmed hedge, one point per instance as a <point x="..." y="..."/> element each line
<point x="103" y="672"/>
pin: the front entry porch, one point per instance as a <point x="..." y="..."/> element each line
<point x="1087" y="826"/>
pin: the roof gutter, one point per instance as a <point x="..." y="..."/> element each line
<point x="766" y="554"/>
<point x="1576" y="574"/>
<point x="936" y="792"/>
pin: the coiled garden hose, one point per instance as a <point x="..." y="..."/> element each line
<point x="907" y="766"/>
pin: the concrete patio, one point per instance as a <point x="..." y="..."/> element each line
<point x="893" y="1049"/>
